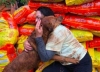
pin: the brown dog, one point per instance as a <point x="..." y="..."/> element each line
<point x="29" y="60"/>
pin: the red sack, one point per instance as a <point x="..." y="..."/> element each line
<point x="10" y="20"/>
<point x="88" y="9"/>
<point x="59" y="8"/>
<point x="8" y="30"/>
<point x="9" y="48"/>
<point x="35" y="5"/>
<point x="56" y="7"/>
<point x="26" y="29"/>
<point x="83" y="23"/>
<point x="11" y="51"/>
<point x="98" y="49"/>
<point x="21" y="14"/>
<point x="46" y="0"/>
<point x="31" y="18"/>
<point x="95" y="43"/>
<point x="12" y="56"/>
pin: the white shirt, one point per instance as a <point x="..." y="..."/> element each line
<point x="65" y="44"/>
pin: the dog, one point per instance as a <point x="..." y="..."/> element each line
<point x="26" y="61"/>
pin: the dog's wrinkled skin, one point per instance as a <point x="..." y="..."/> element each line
<point x="29" y="60"/>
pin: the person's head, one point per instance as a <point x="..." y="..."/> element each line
<point x="43" y="11"/>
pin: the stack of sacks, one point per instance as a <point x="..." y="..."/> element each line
<point x="24" y="18"/>
<point x="8" y="38"/>
<point x="77" y="17"/>
<point x="86" y="17"/>
<point x="14" y="30"/>
<point x="24" y="31"/>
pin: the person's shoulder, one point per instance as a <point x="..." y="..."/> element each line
<point x="60" y="28"/>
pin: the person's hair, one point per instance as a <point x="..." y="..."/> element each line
<point x="46" y="11"/>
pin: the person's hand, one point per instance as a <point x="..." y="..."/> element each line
<point x="38" y="29"/>
<point x="27" y="46"/>
<point x="13" y="7"/>
<point x="71" y="60"/>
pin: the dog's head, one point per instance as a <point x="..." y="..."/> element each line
<point x="51" y="22"/>
<point x="48" y="23"/>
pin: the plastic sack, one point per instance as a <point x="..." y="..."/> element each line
<point x="20" y="42"/>
<point x="59" y="8"/>
<point x="8" y="36"/>
<point x="26" y="29"/>
<point x="95" y="43"/>
<point x="9" y="20"/>
<point x="76" y="2"/>
<point x="91" y="53"/>
<point x="31" y="18"/>
<point x="3" y="23"/>
<point x="47" y="0"/>
<point x="82" y="35"/>
<point x="7" y="54"/>
<point x="83" y="23"/>
<point x="3" y="58"/>
<point x="88" y="9"/>
<point x="21" y="14"/>
<point x="8" y="30"/>
<point x="96" y="33"/>
<point x="97" y="57"/>
<point x="9" y="48"/>
<point x="56" y="7"/>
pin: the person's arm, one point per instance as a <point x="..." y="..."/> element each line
<point x="46" y="55"/>
<point x="65" y="59"/>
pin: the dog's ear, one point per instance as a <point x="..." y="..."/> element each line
<point x="47" y="22"/>
<point x="60" y="19"/>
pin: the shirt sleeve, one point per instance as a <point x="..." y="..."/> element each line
<point x="56" y="39"/>
<point x="44" y="54"/>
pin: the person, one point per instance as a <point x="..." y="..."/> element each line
<point x="61" y="42"/>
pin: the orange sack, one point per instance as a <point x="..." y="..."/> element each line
<point x="56" y="7"/>
<point x="21" y="14"/>
<point x="95" y="43"/>
<point x="31" y="18"/>
<point x="88" y="9"/>
<point x="26" y="29"/>
<point x="80" y="22"/>
<point x="47" y="0"/>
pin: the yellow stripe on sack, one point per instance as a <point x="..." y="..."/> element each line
<point x="82" y="35"/>
<point x="4" y="60"/>
<point x="91" y="52"/>
<point x="44" y="65"/>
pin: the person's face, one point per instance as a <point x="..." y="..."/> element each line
<point x="39" y="16"/>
